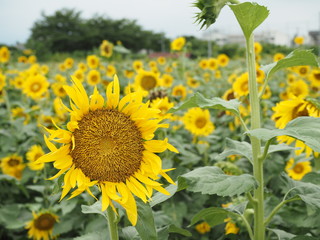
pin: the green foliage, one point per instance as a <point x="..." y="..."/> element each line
<point x="249" y="16"/>
<point x="213" y="216"/>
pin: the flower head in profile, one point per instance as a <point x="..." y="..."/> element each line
<point x="178" y="44"/>
<point x="41" y="226"/>
<point x="231" y="227"/>
<point x="297" y="170"/>
<point x="109" y="143"/>
<point x="4" y="54"/>
<point x="203" y="228"/>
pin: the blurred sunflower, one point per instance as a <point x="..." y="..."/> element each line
<point x="147" y="80"/>
<point x="277" y="57"/>
<point x="257" y="47"/>
<point x="128" y="73"/>
<point x="79" y="74"/>
<point x="152" y="64"/>
<point x="161" y="60"/>
<point x="212" y="63"/>
<point x="203" y="64"/>
<point x="314" y="77"/>
<point x="299" y="40"/>
<point x="4" y="54"/>
<point x="163" y="105"/>
<point x="192" y="82"/>
<point x="223" y="60"/>
<point x="22" y="59"/>
<point x="178" y="43"/>
<point x="203" y="228"/>
<point x="106" y="48"/>
<point x="58" y="89"/>
<point x="93" y="77"/>
<point x="240" y="86"/>
<point x="297" y="170"/>
<point x="32" y="59"/>
<point x="18" y="112"/>
<point x="137" y="65"/>
<point x="197" y="121"/>
<point x="303" y="71"/>
<point x="179" y="91"/>
<point x="41" y="226"/>
<point x="231" y="227"/>
<point x="229" y="95"/>
<point x="35" y="86"/>
<point x="111" y="70"/>
<point x="109" y="144"/>
<point x="298" y="88"/>
<point x="32" y="155"/>
<point x="2" y="81"/>
<point x="166" y="80"/>
<point x="82" y="66"/>
<point x="93" y="61"/>
<point x="12" y="165"/>
<point x="68" y="63"/>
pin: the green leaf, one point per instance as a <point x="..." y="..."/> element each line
<point x="304" y="238"/>
<point x="100" y="235"/>
<point x="198" y="100"/>
<point x="238" y="148"/>
<point x="160" y="197"/>
<point x="130" y="233"/>
<point x="212" y="180"/>
<point x="145" y="224"/>
<point x="94" y="208"/>
<point x="297" y="57"/>
<point x="249" y="16"/>
<point x="175" y="229"/>
<point x="312" y="177"/>
<point x="282" y="235"/>
<point x="305" y="129"/>
<point x="213" y="216"/>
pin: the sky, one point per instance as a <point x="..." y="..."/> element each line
<point x="173" y="17"/>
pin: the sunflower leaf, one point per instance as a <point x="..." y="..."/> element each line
<point x="212" y="180"/>
<point x="237" y="148"/>
<point x="213" y="216"/>
<point x="305" y="129"/>
<point x="249" y="16"/>
<point x="94" y="208"/>
<point x="297" y="57"/>
<point x="145" y="224"/>
<point x="198" y="100"/>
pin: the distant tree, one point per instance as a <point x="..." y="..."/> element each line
<point x="66" y="31"/>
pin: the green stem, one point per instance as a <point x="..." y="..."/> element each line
<point x="244" y="125"/>
<point x="113" y="224"/>
<point x="277" y="208"/>
<point x="7" y="101"/>
<point x="266" y="149"/>
<point x="259" y="229"/>
<point x="248" y="227"/>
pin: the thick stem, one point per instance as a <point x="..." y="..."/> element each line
<point x="259" y="229"/>
<point x="113" y="224"/>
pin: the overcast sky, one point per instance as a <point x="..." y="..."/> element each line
<point x="173" y="17"/>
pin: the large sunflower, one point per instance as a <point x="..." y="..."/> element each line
<point x="41" y="226"/>
<point x="109" y="144"/>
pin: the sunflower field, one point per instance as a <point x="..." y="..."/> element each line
<point x="111" y="146"/>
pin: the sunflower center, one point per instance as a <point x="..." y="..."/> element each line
<point x="148" y="82"/>
<point x="108" y="146"/>
<point x="13" y="162"/>
<point x="35" y="87"/>
<point x="303" y="70"/>
<point x="45" y="222"/>
<point x="244" y="86"/>
<point x="107" y="49"/>
<point x="200" y="122"/>
<point x="37" y="156"/>
<point x="317" y="76"/>
<point x="178" y="92"/>
<point x="94" y="78"/>
<point x="298" y="168"/>
<point x="296" y="113"/>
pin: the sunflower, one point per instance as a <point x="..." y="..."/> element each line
<point x="44" y="69"/>
<point x="93" y="77"/>
<point x="41" y="226"/>
<point x="109" y="144"/>
<point x="163" y="105"/>
<point x="203" y="64"/>
<point x="161" y="60"/>
<point x="223" y="60"/>
<point x="197" y="121"/>
<point x="68" y="63"/>
<point x="147" y="80"/>
<point x="179" y="91"/>
<point x="60" y="78"/>
<point x="303" y="71"/>
<point x="106" y="48"/>
<point x="277" y="57"/>
<point x="230" y="227"/>
<point x="32" y="155"/>
<point x="212" y="63"/>
<point x="152" y="64"/>
<point x="79" y="74"/>
<point x="4" y="54"/>
<point x="32" y="59"/>
<point x="22" y="59"/>
<point x="166" y="80"/>
<point x="2" y="81"/>
<point x="229" y="95"/>
<point x="93" y="61"/>
<point x="111" y="70"/>
<point x="203" y="228"/>
<point x="267" y="93"/>
<point x="298" y="89"/>
<point x="314" y="77"/>
<point x="12" y="165"/>
<point x="128" y="73"/>
<point x="82" y="66"/>
<point x="178" y="43"/>
<point x="240" y="86"/>
<point x="299" y="40"/>
<point x="260" y="75"/>
<point x="192" y="82"/>
<point x="58" y="89"/>
<point x="59" y="109"/>
<point x="35" y="86"/>
<point x="297" y="170"/>
<point x="137" y="65"/>
<point x="257" y="47"/>
<point x="217" y="74"/>
<point x="18" y="112"/>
